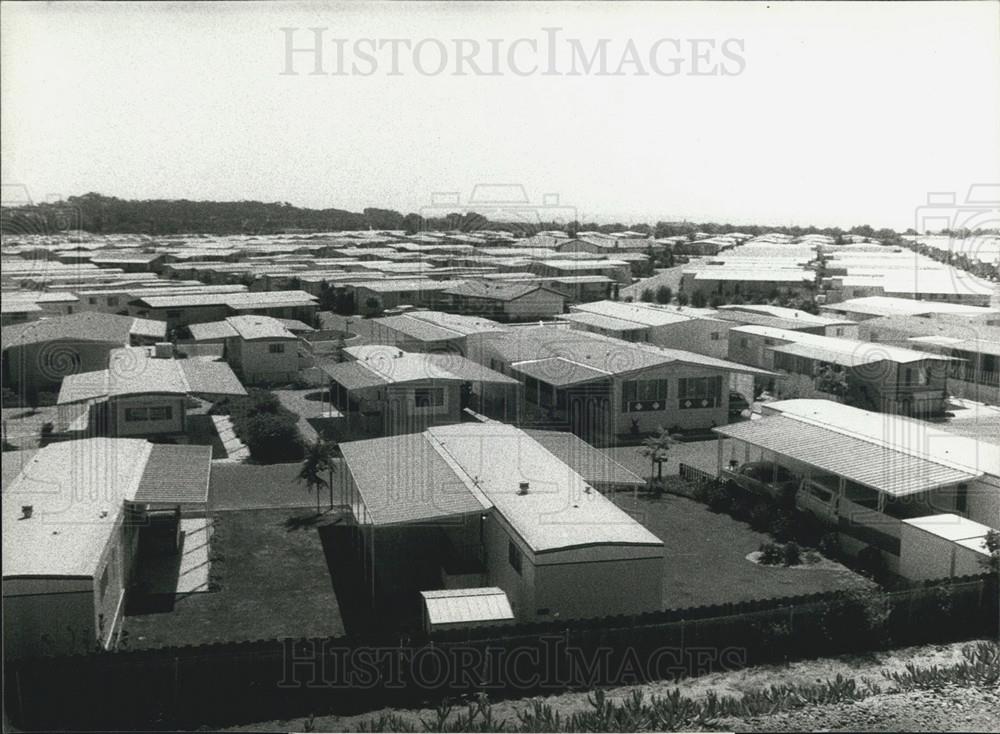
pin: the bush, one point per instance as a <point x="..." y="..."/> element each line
<point x="829" y="545"/>
<point x="760" y="516"/>
<point x="870" y="561"/>
<point x="646" y="296"/>
<point x="272" y="438"/>
<point x="715" y="494"/>
<point x="664" y="294"/>
<point x="771" y="554"/>
<point x="781" y="525"/>
<point x="791" y="555"/>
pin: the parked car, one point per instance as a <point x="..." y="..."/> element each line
<point x="737" y="403"/>
<point x="765" y="478"/>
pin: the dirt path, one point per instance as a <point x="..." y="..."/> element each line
<point x="947" y="710"/>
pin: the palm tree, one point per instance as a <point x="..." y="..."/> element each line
<point x="317" y="462"/>
<point x="656" y="448"/>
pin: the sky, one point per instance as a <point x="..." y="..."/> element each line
<point x="789" y="113"/>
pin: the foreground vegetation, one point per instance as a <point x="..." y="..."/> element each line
<point x="980" y="668"/>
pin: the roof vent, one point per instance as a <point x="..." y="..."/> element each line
<point x="522" y="488"/>
<point x="26" y="511"/>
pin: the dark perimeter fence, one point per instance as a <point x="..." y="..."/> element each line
<point x="231" y="683"/>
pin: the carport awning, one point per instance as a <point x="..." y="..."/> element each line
<point x="175" y="475"/>
<point x="559" y="372"/>
<point x="886" y="469"/>
<point x="352" y="376"/>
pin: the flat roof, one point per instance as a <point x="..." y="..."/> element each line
<point x="599" y="321"/>
<point x="395" y="366"/>
<point x="211" y="330"/>
<point x="77" y="490"/>
<point x="596" y="352"/>
<point x="641" y="314"/>
<point x="878" y="466"/>
<point x="891" y="306"/>
<point x="559" y="371"/>
<point x="838" y="350"/>
<point x="467" y="606"/>
<point x="936" y="442"/>
<point x="251" y="327"/>
<point x="176" y="474"/>
<point x="950" y="527"/>
<point x="594" y="465"/>
<point x="133" y="372"/>
<point x="403" y="479"/>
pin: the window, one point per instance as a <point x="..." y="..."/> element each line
<point x="136" y="414"/>
<point x="840" y="331"/>
<point x="276" y="348"/>
<point x="714" y="336"/>
<point x="104" y="582"/>
<point x="161" y="413"/>
<point x="428" y="397"/>
<point x="112" y="300"/>
<point x="699" y="392"/>
<point x="514" y="556"/>
<point x="639" y="395"/>
<point x="173" y="314"/>
<point x="92" y="301"/>
<point x="744" y="342"/>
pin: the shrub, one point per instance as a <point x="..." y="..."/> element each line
<point x="272" y="438"/>
<point x="647" y="295"/>
<point x="781" y="525"/>
<point x="791" y="555"/>
<point x="715" y="494"/>
<point x="664" y="294"/>
<point x="760" y="516"/>
<point x="870" y="561"/>
<point x="829" y="545"/>
<point x="771" y="554"/>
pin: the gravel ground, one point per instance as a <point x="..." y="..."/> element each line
<point x="948" y="709"/>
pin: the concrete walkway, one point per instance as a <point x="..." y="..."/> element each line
<point x="236" y="450"/>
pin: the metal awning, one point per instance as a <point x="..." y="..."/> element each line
<point x="885" y="469"/>
<point x="175" y="475"/>
<point x="559" y="372"/>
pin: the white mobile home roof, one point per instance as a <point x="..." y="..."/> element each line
<point x="911" y="436"/>
<point x="467" y="606"/>
<point x="557" y="512"/>
<point x="878" y="466"/>
<point x="77" y="490"/>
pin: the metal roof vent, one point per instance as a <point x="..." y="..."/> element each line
<point x="26" y="511"/>
<point x="522" y="488"/>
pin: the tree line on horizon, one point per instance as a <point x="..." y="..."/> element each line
<point x="100" y="214"/>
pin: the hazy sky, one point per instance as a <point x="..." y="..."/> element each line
<point x="842" y="114"/>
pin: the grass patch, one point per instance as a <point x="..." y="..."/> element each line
<point x="271" y="580"/>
